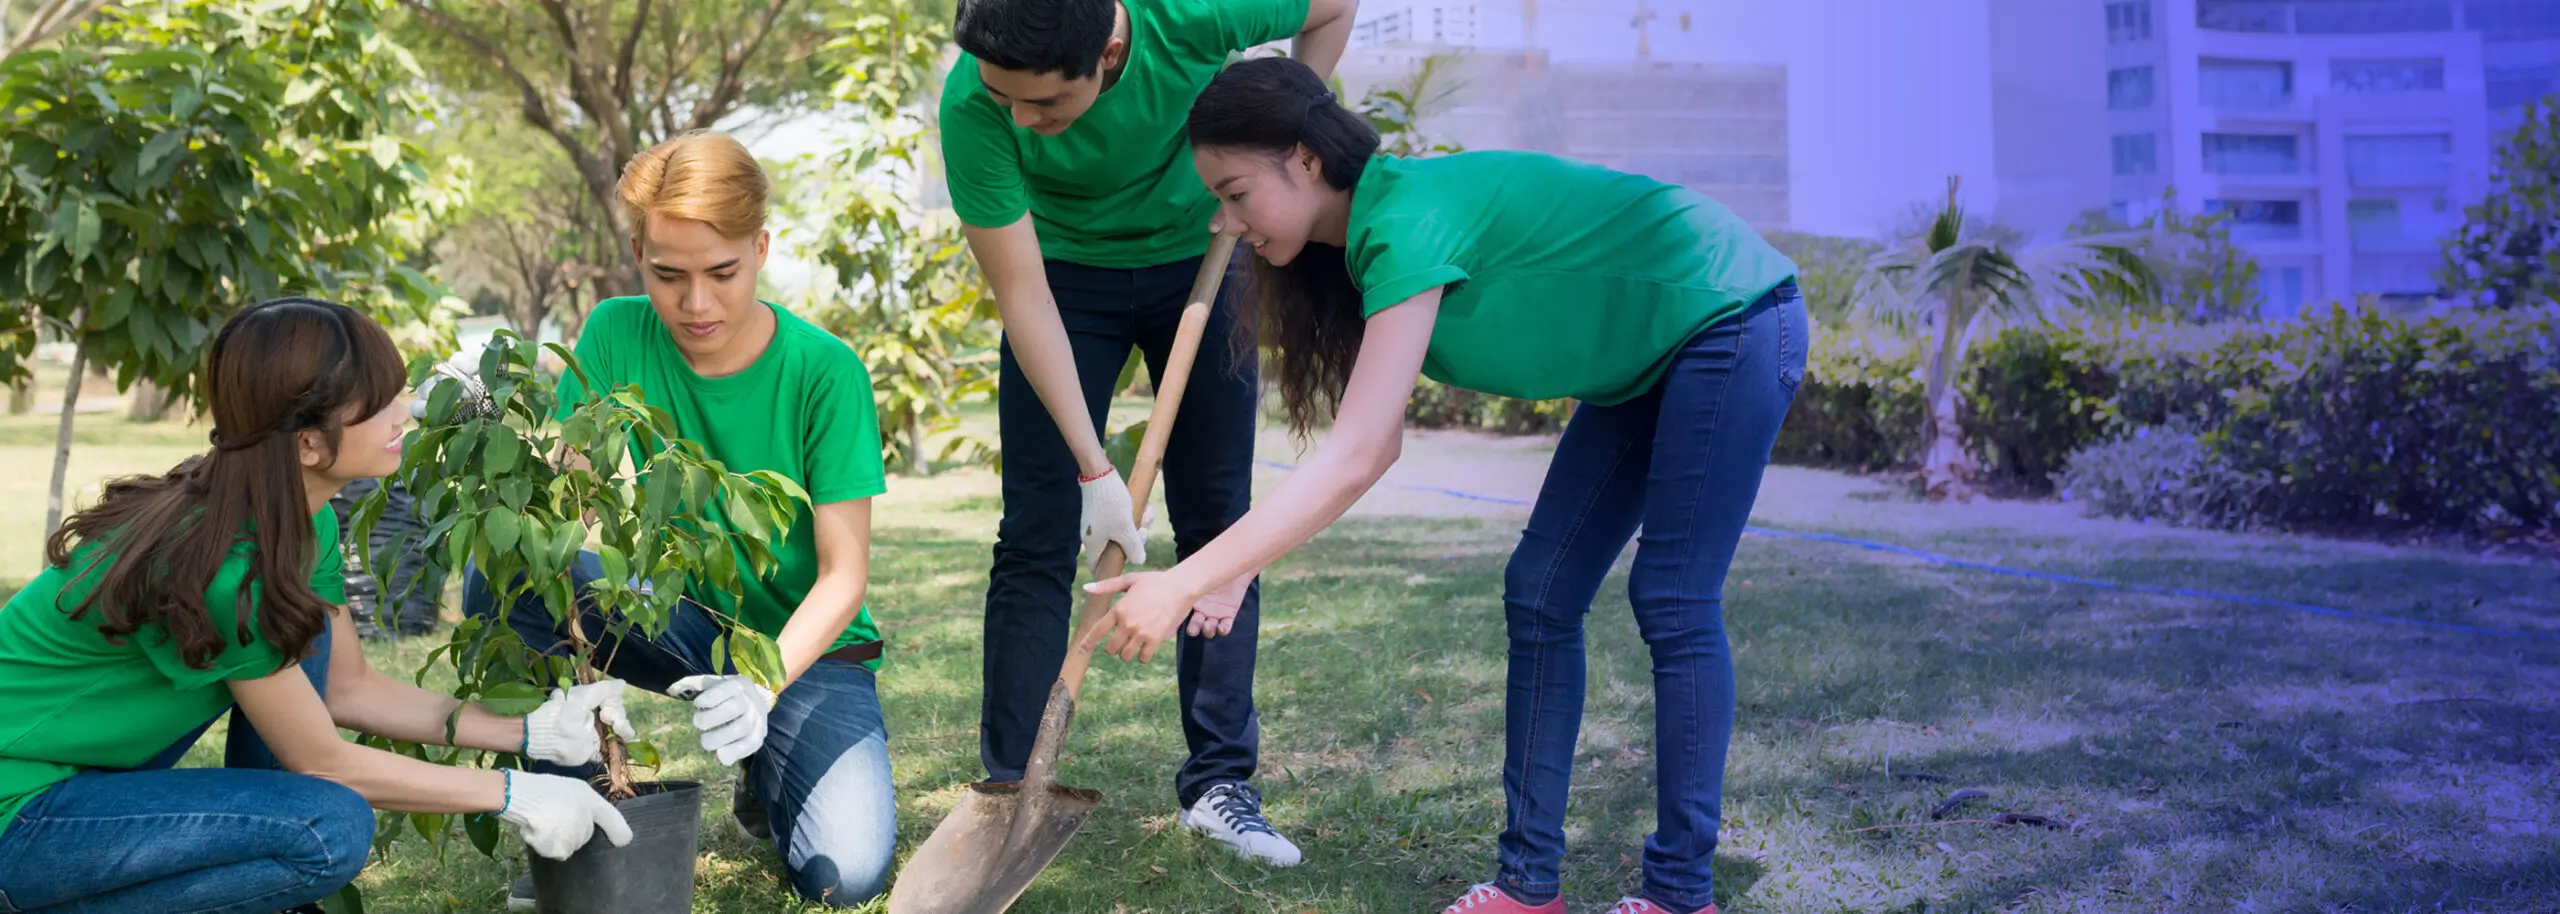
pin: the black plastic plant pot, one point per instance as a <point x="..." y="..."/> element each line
<point x="653" y="874"/>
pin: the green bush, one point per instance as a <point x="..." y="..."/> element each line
<point x="1859" y="405"/>
<point x="2351" y="418"/>
<point x="1437" y="405"/>
<point x="2163" y="473"/>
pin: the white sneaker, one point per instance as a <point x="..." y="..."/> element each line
<point x="1231" y="814"/>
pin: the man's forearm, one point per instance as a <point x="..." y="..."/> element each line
<point x="832" y="604"/>
<point x="1321" y="48"/>
<point x="1040" y="345"/>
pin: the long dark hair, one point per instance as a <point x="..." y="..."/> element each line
<point x="275" y="370"/>
<point x="1309" y="310"/>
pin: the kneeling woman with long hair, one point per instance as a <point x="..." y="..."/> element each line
<point x="1530" y="276"/>
<point x="217" y="586"/>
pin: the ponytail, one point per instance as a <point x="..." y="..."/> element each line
<point x="1309" y="311"/>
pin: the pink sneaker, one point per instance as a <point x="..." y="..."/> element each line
<point x="1641" y="906"/>
<point x="1484" y="898"/>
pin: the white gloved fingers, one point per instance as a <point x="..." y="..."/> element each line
<point x="687" y="688"/>
<point x="715" y="716"/>
<point x="610" y="819"/>
<point x="557" y="815"/>
<point x="615" y="717"/>
<point x="741" y="745"/>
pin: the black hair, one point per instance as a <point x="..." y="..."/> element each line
<point x="1066" y="37"/>
<point x="1309" y="311"/>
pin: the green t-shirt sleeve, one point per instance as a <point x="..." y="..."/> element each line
<point x="981" y="163"/>
<point x="1249" y="23"/>
<point x="590" y="352"/>
<point x="329" y="570"/>
<point x="1399" y="260"/>
<point x="844" y="435"/>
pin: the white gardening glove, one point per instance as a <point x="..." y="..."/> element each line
<point x="557" y="815"/>
<point x="729" y="710"/>
<point x="1108" y="519"/>
<point x="563" y="730"/>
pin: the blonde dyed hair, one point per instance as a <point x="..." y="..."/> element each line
<point x="706" y="177"/>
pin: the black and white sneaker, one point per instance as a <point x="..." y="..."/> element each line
<point x="520" y="895"/>
<point x="1231" y="814"/>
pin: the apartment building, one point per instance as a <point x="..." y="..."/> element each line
<point x="2343" y="136"/>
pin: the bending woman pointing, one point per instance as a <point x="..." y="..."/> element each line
<point x="1523" y="275"/>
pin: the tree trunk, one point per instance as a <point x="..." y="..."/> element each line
<point x="147" y="403"/>
<point x="1943" y="467"/>
<point x="916" y="464"/>
<point x="62" y="435"/>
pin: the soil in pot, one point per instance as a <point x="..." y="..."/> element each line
<point x="651" y="875"/>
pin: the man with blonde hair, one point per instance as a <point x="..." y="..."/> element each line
<point x="760" y="389"/>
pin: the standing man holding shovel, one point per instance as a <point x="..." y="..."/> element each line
<point x="1062" y="138"/>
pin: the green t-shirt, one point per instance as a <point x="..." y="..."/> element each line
<point x="77" y="702"/>
<point x="803" y="410"/>
<point x="1117" y="189"/>
<point x="1565" y="279"/>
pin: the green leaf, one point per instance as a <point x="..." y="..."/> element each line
<point x="160" y="147"/>
<point x="483" y="831"/>
<point x="303" y="90"/>
<point x="386" y="150"/>
<point x="84" y="232"/>
<point x="643" y="753"/>
<point x="698" y="489"/>
<point x="502" y="529"/>
<point x="513" y="699"/>
<point x="503" y="452"/>
<point x="617" y="567"/>
<point x="515" y="493"/>
<point x="347" y="900"/>
<point x="440" y="402"/>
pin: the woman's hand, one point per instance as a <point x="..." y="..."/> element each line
<point x="1151" y="608"/>
<point x="1215" y="614"/>
<point x="563" y="730"/>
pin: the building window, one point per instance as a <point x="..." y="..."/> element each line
<point x="2245" y="83"/>
<point x="2412" y="75"/>
<point x="2129" y="88"/>
<point x="2137" y="154"/>
<point x="2252" y="154"/>
<point x="2515" y="87"/>
<point x="2410" y="275"/>
<point x="2374" y="224"/>
<point x="2128" y="22"/>
<point x="2261" y="220"/>
<point x="2282" y="297"/>
<point x="2400" y="161"/>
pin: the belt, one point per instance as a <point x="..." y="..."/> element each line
<point x="862" y="652"/>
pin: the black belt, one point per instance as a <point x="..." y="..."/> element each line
<point x="863" y="652"/>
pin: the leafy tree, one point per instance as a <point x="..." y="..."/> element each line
<point x="529" y="238"/>
<point x="915" y="307"/>
<point x="2203" y="277"/>
<point x="2507" y="253"/>
<point x="1397" y="109"/>
<point x="168" y="162"/>
<point x="25" y="24"/>
<point x="605" y="80"/>
<point x="1953" y="279"/>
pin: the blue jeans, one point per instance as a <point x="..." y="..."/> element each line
<point x="823" y="773"/>
<point x="245" y="838"/>
<point x="1683" y="462"/>
<point x="1208" y="484"/>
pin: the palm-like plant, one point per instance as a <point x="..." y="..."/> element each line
<point x="1955" y="280"/>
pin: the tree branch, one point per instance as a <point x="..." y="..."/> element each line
<point x="630" y="50"/>
<point x="733" y="62"/>
<point x="537" y="111"/>
<point x="47" y="23"/>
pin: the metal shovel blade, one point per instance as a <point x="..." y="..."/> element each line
<point x="968" y="867"/>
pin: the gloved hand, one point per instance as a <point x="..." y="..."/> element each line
<point x="558" y="815"/>
<point x="1108" y="519"/>
<point x="730" y="712"/>
<point x="563" y="730"/>
<point x="1215" y="614"/>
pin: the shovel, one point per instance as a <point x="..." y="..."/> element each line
<point x="1002" y="835"/>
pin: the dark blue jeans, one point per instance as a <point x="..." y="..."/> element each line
<point x="248" y="838"/>
<point x="1208" y="484"/>
<point x="823" y="774"/>
<point x="1683" y="462"/>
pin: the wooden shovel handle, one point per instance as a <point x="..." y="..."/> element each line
<point x="1142" y="475"/>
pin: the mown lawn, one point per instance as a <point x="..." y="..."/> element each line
<point x="2196" y="755"/>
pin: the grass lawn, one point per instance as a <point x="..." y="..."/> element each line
<point x="2200" y="755"/>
